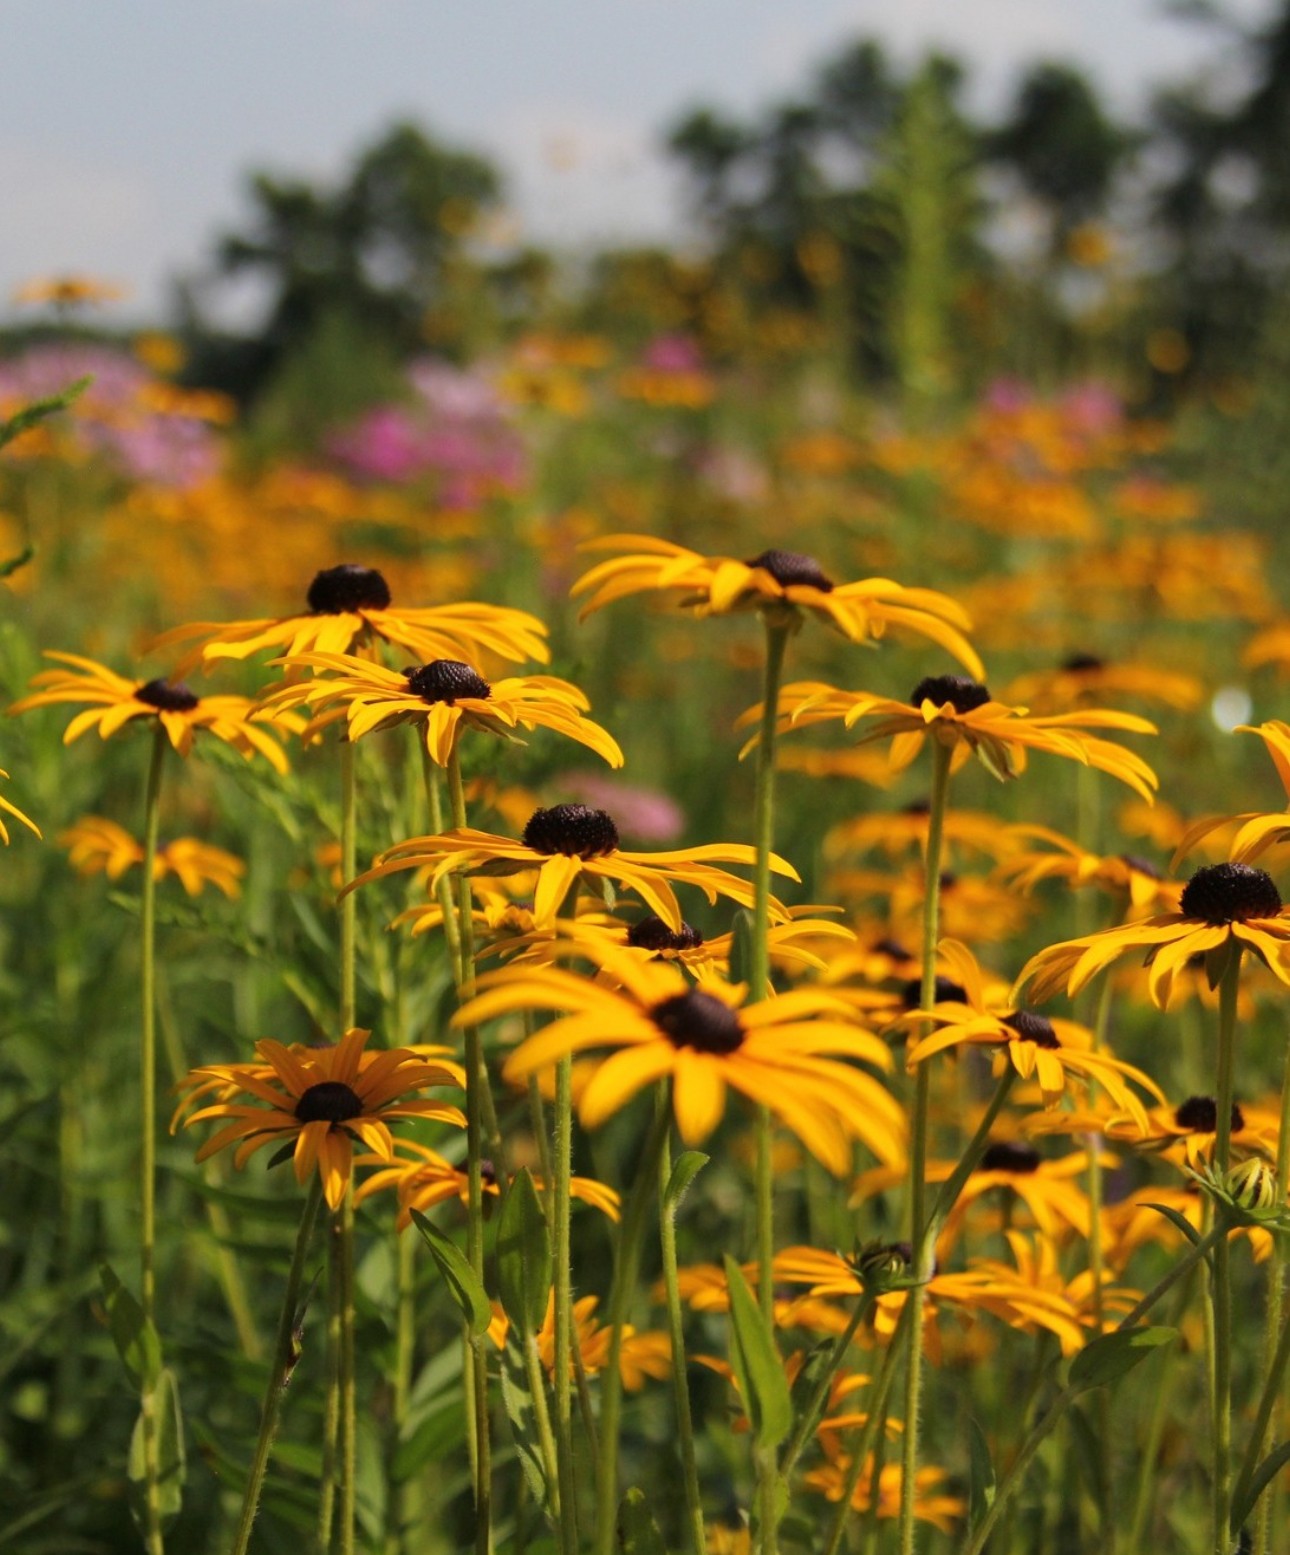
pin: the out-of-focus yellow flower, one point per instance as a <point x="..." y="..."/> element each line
<point x="1141" y="884"/>
<point x="1084" y="677"/>
<point x="97" y="846"/>
<point x="69" y="291"/>
<point x="11" y="809"/>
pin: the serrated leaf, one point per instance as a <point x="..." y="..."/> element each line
<point x="1259" y="1482"/>
<point x="687" y="1167"/>
<point x="981" y="1481"/>
<point x="38" y="410"/>
<point x="524" y="1255"/>
<point x="520" y="1412"/>
<point x="757" y="1364"/>
<point x="741" y="947"/>
<point x="637" y="1531"/>
<point x="135" y="1338"/>
<point x="1110" y="1357"/>
<point x="463" y="1284"/>
<point x="1176" y="1219"/>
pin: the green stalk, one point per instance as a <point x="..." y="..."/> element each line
<point x="285" y="1355"/>
<point x="148" y="1129"/>
<point x="348" y="1392"/>
<point x="918" y="1150"/>
<point x="1222" y="1284"/>
<point x="344" y="1216"/>
<point x="1161" y="1411"/>
<point x="876" y="1422"/>
<point x="331" y="1395"/>
<point x="563" y="1168"/>
<point x="810" y="1415"/>
<point x="759" y="987"/>
<point x="348" y="869"/>
<point x="405" y="1336"/>
<point x="444" y="889"/>
<point x="680" y="1379"/>
<point x="626" y="1262"/>
<point x="476" y="1094"/>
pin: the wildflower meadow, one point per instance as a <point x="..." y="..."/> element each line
<point x="642" y="941"/>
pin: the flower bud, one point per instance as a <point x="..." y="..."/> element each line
<point x="1253" y="1184"/>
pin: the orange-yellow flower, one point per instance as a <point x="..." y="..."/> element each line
<point x="96" y="845"/>
<point x="11" y="809"/>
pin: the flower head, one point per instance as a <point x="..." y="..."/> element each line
<point x="96" y="845"/>
<point x="783" y="583"/>
<point x="322" y="1099"/>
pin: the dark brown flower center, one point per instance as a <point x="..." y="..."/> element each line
<point x="1083" y="664"/>
<point x="917" y="807"/>
<point x="1142" y="866"/>
<point x="652" y="933"/>
<point x="1199" y="1115"/>
<point x="337" y="590"/>
<point x="444" y="680"/>
<point x="700" y="1021"/>
<point x="792" y="567"/>
<point x="1230" y="893"/>
<point x="961" y="693"/>
<point x="575" y="830"/>
<point x="1030" y="1026"/>
<point x="1020" y="1160"/>
<point x="330" y="1101"/>
<point x="167" y="696"/>
<point x="892" y="948"/>
<point x="947" y="992"/>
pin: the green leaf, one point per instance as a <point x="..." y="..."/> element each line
<point x="1090" y="1459"/>
<point x="524" y="1255"/>
<point x="134" y="1337"/>
<point x="523" y="1417"/>
<point x="741" y="946"/>
<point x="688" y="1166"/>
<point x="812" y="1371"/>
<point x="172" y="1462"/>
<point x="1110" y="1357"/>
<point x="460" y="1278"/>
<point x="637" y="1531"/>
<point x="1176" y="1219"/>
<point x="757" y="1364"/>
<point x="29" y="415"/>
<point x="981" y="1484"/>
<point x="1259" y="1482"/>
<point x="7" y="569"/>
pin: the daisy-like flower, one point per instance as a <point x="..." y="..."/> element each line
<point x="347" y="605"/>
<point x="961" y="713"/>
<point x="1085" y="677"/>
<point x="781" y="583"/>
<point x="444" y="697"/>
<point x="422" y="1178"/>
<point x="12" y="809"/>
<point x="783" y="1052"/>
<point x="115" y="701"/>
<point x="317" y="1101"/>
<point x="1221" y="906"/>
<point x="1139" y="882"/>
<point x="932" y="1503"/>
<point x="97" y="846"/>
<point x="1183" y="1135"/>
<point x="973" y="830"/>
<point x="1256" y="832"/>
<point x="1053" y="1052"/>
<point x="571" y="845"/>
<point x="640" y="1355"/>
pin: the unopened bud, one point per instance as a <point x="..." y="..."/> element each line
<point x="1253" y="1184"/>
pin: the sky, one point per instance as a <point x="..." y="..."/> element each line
<point x="127" y="128"/>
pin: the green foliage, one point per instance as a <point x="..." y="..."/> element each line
<point x="756" y="1362"/>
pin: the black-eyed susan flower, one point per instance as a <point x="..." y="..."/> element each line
<point x="905" y="831"/>
<point x="1184" y="1135"/>
<point x="785" y="1052"/>
<point x="1140" y="883"/>
<point x="348" y="605"/>
<point x="1256" y="832"/>
<point x="572" y="844"/>
<point x="783" y="583"/>
<point x="97" y="846"/>
<point x="422" y="1178"/>
<point x="932" y="1501"/>
<point x="12" y="809"/>
<point x="323" y="1099"/>
<point x="961" y="713"/>
<point x="1222" y="905"/>
<point x="640" y="1355"/>
<point x="115" y="701"/>
<point x="1084" y="677"/>
<point x="443" y="697"/>
<point x="1053" y="1052"/>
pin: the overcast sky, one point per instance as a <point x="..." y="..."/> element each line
<point x="126" y="126"/>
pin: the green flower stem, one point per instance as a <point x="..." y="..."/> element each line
<point x="343" y="1266"/>
<point x="284" y="1358"/>
<point x="434" y="804"/>
<point x="1222" y="1282"/>
<point x="348" y="869"/>
<point x="148" y="1127"/>
<point x="1271" y="1342"/>
<point x="542" y="1418"/>
<point x="918" y="1219"/>
<point x="331" y="1395"/>
<point x="1040" y="1433"/>
<point x="876" y="1423"/>
<point x="1102" y="1404"/>
<point x="563" y="1315"/>
<point x="680" y="1379"/>
<point x="348" y="1393"/>
<point x="626" y="1262"/>
<point x="1263" y="1418"/>
<point x="478" y="1102"/>
<point x="968" y="1162"/>
<point x="810" y="1415"/>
